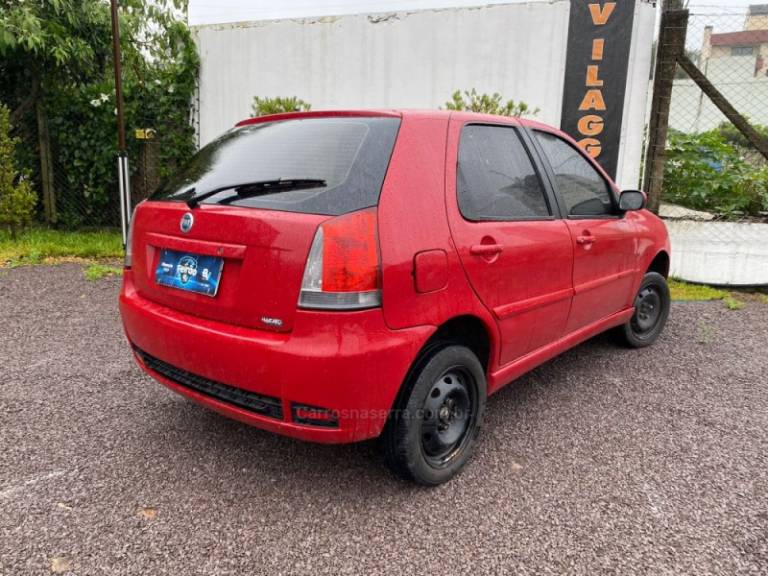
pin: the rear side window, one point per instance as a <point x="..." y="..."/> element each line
<point x="496" y="179"/>
<point x="584" y="190"/>
<point x="348" y="155"/>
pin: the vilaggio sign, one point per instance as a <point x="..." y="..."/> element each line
<point x="599" y="36"/>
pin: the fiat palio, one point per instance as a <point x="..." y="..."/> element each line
<point x="338" y="276"/>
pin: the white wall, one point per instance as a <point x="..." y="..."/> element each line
<point x="637" y="96"/>
<point x="408" y="60"/>
<point x="727" y="253"/>
<point x="734" y="76"/>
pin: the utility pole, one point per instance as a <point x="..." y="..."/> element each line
<point x="123" y="174"/>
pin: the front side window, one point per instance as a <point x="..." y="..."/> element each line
<point x="584" y="190"/>
<point x="496" y="179"/>
<point x="321" y="165"/>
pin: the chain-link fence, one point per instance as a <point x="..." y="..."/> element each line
<point x="711" y="168"/>
<point x="65" y="197"/>
<point x="706" y="170"/>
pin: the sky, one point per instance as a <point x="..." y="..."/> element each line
<point x="217" y="11"/>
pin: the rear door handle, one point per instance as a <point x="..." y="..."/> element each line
<point x="585" y="240"/>
<point x="485" y="249"/>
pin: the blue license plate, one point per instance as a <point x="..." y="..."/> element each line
<point x="191" y="272"/>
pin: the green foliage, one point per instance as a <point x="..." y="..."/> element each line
<point x="278" y="105"/>
<point x="17" y="199"/>
<point x="36" y="245"/>
<point x="82" y="117"/>
<point x="54" y="34"/>
<point x="733" y="136"/>
<point x="708" y="171"/>
<point x="471" y="101"/>
<point x="57" y="53"/>
<point x="732" y="303"/>
<point x="99" y="271"/>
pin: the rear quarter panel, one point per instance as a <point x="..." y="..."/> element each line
<point x="412" y="220"/>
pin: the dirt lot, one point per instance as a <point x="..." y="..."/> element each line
<point x="602" y="461"/>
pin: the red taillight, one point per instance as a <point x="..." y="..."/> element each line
<point x="350" y="253"/>
<point x="342" y="270"/>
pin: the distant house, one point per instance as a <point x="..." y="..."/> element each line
<point x="737" y="64"/>
<point x="752" y="42"/>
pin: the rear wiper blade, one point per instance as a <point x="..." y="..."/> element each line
<point x="259" y="187"/>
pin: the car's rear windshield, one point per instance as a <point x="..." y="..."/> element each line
<point x="347" y="158"/>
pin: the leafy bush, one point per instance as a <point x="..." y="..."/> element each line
<point x="707" y="171"/>
<point x="17" y="199"/>
<point x="82" y="117"/>
<point x="735" y="137"/>
<point x="278" y="105"/>
<point x="55" y="62"/>
<point x="471" y="101"/>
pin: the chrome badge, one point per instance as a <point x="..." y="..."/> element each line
<point x="186" y="222"/>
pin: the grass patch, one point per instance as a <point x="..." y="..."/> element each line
<point x="99" y="271"/>
<point x="42" y="245"/>
<point x="732" y="303"/>
<point x="684" y="291"/>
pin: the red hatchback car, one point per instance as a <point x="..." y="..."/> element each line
<point x="337" y="276"/>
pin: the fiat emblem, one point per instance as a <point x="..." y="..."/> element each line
<point x="186" y="222"/>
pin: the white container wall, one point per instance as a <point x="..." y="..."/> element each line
<point x="409" y="60"/>
<point x="727" y="253"/>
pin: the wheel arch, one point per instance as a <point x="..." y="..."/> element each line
<point x="660" y="264"/>
<point x="465" y="330"/>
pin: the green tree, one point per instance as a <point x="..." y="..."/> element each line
<point x="471" y="101"/>
<point x="56" y="65"/>
<point x="46" y="41"/>
<point x="17" y="199"/>
<point x="278" y="105"/>
<point x="43" y="42"/>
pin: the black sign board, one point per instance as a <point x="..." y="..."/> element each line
<point x="599" y="36"/>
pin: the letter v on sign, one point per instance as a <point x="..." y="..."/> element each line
<point x="600" y="14"/>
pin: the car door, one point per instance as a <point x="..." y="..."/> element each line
<point x="603" y="240"/>
<point x="515" y="250"/>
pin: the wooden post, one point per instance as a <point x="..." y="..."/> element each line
<point x="46" y="164"/>
<point x="723" y="105"/>
<point x="671" y="46"/>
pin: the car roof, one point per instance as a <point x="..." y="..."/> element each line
<point x="403" y="113"/>
<point x="400" y="113"/>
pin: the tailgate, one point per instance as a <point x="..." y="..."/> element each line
<point x="263" y="254"/>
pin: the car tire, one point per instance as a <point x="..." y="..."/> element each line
<point x="652" y="304"/>
<point x="432" y="430"/>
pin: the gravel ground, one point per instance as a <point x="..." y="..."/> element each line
<point x="603" y="461"/>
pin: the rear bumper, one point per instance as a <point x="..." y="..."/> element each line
<point x="346" y="362"/>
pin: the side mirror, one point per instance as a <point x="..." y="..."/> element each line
<point x="632" y="200"/>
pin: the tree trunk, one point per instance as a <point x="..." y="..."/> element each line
<point x="46" y="164"/>
<point x="27" y="104"/>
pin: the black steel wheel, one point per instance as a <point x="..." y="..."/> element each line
<point x="652" y="305"/>
<point x="432" y="429"/>
<point x="447" y="416"/>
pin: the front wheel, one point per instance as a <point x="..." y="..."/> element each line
<point x="431" y="433"/>
<point x="652" y="304"/>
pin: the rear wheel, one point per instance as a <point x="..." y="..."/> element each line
<point x="652" y="304"/>
<point x="432" y="432"/>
